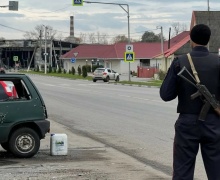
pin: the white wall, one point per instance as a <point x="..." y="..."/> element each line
<point x="153" y="63"/>
<point x="68" y="64"/>
<point x="119" y="66"/>
<point x="116" y="65"/>
<point x="124" y="66"/>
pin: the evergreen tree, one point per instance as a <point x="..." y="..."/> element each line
<point x="79" y="70"/>
<point x="73" y="71"/>
<point x="84" y="71"/>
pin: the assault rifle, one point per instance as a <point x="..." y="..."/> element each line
<point x="208" y="99"/>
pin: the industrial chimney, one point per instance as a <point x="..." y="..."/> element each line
<point x="71" y="27"/>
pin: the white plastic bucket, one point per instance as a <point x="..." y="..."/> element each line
<point x="58" y="144"/>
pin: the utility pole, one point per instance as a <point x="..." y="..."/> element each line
<point x="162" y="51"/>
<point x="38" y="63"/>
<point x="128" y="16"/>
<point x="208" y="23"/>
<point x="45" y="53"/>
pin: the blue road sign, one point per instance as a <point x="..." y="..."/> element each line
<point x="77" y="2"/>
<point x="72" y="60"/>
<point x="129" y="56"/>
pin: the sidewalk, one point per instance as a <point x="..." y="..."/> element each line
<point x="101" y="161"/>
<point x="86" y="160"/>
<point x="125" y="77"/>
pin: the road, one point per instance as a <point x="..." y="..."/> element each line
<point x="131" y="119"/>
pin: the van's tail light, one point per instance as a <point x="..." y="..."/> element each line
<point x="104" y="73"/>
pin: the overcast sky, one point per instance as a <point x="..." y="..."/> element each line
<point x="145" y="15"/>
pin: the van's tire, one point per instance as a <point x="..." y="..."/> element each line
<point x="5" y="146"/>
<point x="24" y="143"/>
<point x="94" y="80"/>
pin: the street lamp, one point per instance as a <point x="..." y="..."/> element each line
<point x="162" y="51"/>
<point x="128" y="15"/>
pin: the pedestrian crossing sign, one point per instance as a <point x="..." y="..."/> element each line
<point x="77" y="2"/>
<point x="129" y="56"/>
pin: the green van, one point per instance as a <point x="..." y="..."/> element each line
<point x="23" y="115"/>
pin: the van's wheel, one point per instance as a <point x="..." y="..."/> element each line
<point x="94" y="80"/>
<point x="24" y="143"/>
<point x="117" y="79"/>
<point x="5" y="146"/>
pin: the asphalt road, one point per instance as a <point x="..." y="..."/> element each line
<point x="131" y="119"/>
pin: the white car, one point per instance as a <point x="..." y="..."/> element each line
<point x="105" y="74"/>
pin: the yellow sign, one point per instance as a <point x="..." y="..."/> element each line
<point x="77" y="2"/>
<point x="129" y="56"/>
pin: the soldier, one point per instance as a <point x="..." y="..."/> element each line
<point x="190" y="132"/>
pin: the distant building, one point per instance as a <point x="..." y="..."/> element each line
<point x="30" y="53"/>
<point x="112" y="56"/>
<point x="210" y="18"/>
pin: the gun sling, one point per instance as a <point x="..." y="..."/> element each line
<point x="208" y="103"/>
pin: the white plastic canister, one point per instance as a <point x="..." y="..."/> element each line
<point x="58" y="144"/>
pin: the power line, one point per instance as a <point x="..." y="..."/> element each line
<point x="12" y="28"/>
<point x="48" y="11"/>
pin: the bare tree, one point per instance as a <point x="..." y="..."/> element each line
<point x="83" y="37"/>
<point x="178" y="28"/>
<point x="51" y="32"/>
<point x="39" y="31"/>
<point x="59" y="36"/>
<point x="98" y="37"/>
<point x="102" y="38"/>
<point x="92" y="38"/>
<point x="2" y="40"/>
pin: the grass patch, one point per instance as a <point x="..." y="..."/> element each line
<point x="69" y="76"/>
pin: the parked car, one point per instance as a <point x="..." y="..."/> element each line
<point x="105" y="74"/>
<point x="23" y="115"/>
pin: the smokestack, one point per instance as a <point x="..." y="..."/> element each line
<point x="71" y="26"/>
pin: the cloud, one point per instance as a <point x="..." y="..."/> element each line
<point x="109" y="19"/>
